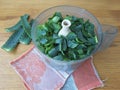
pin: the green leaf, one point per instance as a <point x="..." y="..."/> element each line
<point x="81" y="20"/>
<point x="71" y="36"/>
<point x="74" y="19"/>
<point x="81" y="46"/>
<point x="89" y="50"/>
<point x="53" y="52"/>
<point x="13" y="40"/>
<point x="96" y="40"/>
<point x="72" y="44"/>
<point x="56" y="27"/>
<point x="26" y="25"/>
<point x="58" y="57"/>
<point x="17" y="25"/>
<point x="89" y="27"/>
<point x="78" y="41"/>
<point x="43" y="41"/>
<point x="50" y="28"/>
<point x="58" y="40"/>
<point x="68" y="17"/>
<point x="72" y="55"/>
<point x="55" y="36"/>
<point x="42" y="49"/>
<point x="49" y="43"/>
<point x="24" y="39"/>
<point x="48" y="48"/>
<point x="93" y="40"/>
<point x="77" y="28"/>
<point x="82" y="56"/>
<point x="55" y="19"/>
<point x="85" y="33"/>
<point x="41" y="33"/>
<point x="80" y="51"/>
<point x="42" y="27"/>
<point x="59" y="15"/>
<point x="31" y="22"/>
<point x="64" y="45"/>
<point x="76" y="45"/>
<point x="60" y="46"/>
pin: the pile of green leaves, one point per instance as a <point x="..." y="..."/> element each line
<point x="78" y="44"/>
<point x="21" y="33"/>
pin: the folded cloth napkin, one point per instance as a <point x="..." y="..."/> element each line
<point x="37" y="75"/>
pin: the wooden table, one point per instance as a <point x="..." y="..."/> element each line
<point x="107" y="62"/>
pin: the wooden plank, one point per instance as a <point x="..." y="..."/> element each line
<point x="107" y="62"/>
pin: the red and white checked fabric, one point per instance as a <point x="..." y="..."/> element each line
<point x="36" y="75"/>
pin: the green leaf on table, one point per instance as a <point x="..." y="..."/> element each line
<point x="24" y="39"/>
<point x="13" y="40"/>
<point x="26" y="25"/>
<point x="17" y="25"/>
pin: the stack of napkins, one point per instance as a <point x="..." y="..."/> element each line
<point x="37" y="75"/>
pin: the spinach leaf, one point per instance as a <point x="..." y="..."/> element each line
<point x="43" y="41"/>
<point x="64" y="45"/>
<point x="78" y="44"/>
<point x="53" y="52"/>
<point x="72" y="44"/>
<point x="71" y="36"/>
<point x="58" y="57"/>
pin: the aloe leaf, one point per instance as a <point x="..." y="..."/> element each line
<point x="17" y="25"/>
<point x="13" y="40"/>
<point x="26" y="25"/>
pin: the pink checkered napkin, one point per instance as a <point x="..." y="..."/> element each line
<point x="38" y="76"/>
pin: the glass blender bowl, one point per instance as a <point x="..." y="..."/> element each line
<point x="105" y="34"/>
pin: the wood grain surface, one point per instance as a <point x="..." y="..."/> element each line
<point x="107" y="62"/>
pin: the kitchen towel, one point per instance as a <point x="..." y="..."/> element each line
<point x="37" y="75"/>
